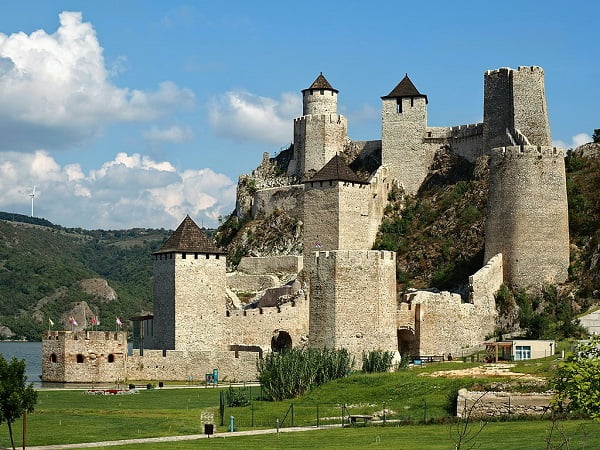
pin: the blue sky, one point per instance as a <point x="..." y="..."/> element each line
<point x="135" y="113"/>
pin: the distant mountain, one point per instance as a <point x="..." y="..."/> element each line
<point x="51" y="272"/>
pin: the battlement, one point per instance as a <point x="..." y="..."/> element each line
<point x="64" y="335"/>
<point x="343" y="254"/>
<point x="331" y="118"/>
<point x="532" y="69"/>
<point x="264" y="311"/>
<point x="508" y="70"/>
<point x="524" y="151"/>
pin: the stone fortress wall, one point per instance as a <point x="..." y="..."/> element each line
<point x="345" y="293"/>
<point x="353" y="301"/>
<point x="441" y="323"/>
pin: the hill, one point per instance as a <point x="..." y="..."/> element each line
<point x="51" y="272"/>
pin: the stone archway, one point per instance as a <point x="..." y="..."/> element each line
<point x="280" y="341"/>
<point x="407" y="343"/>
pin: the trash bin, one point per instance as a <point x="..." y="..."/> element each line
<point x="160" y="384"/>
<point x="209" y="428"/>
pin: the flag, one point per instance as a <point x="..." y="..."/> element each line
<point x="119" y="322"/>
<point x="50" y="322"/>
<point x="72" y="321"/>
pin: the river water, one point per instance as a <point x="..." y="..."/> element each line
<point x="31" y="352"/>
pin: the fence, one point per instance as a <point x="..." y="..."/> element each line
<point x="265" y="414"/>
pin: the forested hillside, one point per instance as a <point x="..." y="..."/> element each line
<point x="43" y="268"/>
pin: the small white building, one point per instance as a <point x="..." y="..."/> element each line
<point x="532" y="349"/>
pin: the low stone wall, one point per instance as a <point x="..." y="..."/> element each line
<point x="270" y="264"/>
<point x="492" y="404"/>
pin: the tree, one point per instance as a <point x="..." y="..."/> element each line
<point x="596" y="135"/>
<point x="16" y="396"/>
<point x="577" y="380"/>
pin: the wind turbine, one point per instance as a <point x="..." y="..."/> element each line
<point x="32" y="195"/>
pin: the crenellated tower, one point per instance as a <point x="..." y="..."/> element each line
<point x="352" y="289"/>
<point x="403" y="128"/>
<point x="514" y="108"/>
<point x="189" y="290"/>
<point x="320" y="133"/>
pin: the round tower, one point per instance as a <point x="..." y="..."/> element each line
<point x="320" y="133"/>
<point x="189" y="290"/>
<point x="527" y="215"/>
<point x="319" y="98"/>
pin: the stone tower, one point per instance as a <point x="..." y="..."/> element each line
<point x="527" y="217"/>
<point x="189" y="290"/>
<point x="403" y="127"/>
<point x="352" y="288"/>
<point x="320" y="133"/>
<point x="514" y="108"/>
<point x="336" y="210"/>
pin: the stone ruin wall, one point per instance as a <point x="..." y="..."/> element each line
<point x="353" y="301"/>
<point x="480" y="405"/>
<point x="443" y="323"/>
<point x="527" y="216"/>
<point x="95" y="349"/>
<point x="285" y="198"/>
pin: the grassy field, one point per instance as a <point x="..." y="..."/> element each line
<point x="409" y="396"/>
<point x="509" y="435"/>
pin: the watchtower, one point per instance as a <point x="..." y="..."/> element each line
<point x="189" y="290"/>
<point x="320" y="133"/>
<point x="403" y="127"/>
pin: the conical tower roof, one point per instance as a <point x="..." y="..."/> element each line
<point x="320" y="83"/>
<point x="336" y="170"/>
<point x="405" y="88"/>
<point x="189" y="238"/>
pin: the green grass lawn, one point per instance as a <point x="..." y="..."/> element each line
<point x="508" y="435"/>
<point x="409" y="396"/>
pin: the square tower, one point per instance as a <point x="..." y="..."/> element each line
<point x="189" y="290"/>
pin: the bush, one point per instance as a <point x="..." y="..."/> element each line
<point x="295" y="371"/>
<point x="237" y="397"/>
<point x="377" y="361"/>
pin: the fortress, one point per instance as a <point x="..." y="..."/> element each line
<point x="339" y="292"/>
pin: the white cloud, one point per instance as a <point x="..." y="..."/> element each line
<point x="576" y="141"/>
<point x="242" y="116"/>
<point x="128" y="191"/>
<point x="55" y="89"/>
<point x="174" y="134"/>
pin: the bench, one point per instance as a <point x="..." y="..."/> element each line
<point x="352" y="418"/>
<point x="434" y="358"/>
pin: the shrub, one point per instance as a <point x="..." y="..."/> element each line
<point x="237" y="397"/>
<point x="295" y="371"/>
<point x="377" y="361"/>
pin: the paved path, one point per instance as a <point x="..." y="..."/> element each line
<point x="187" y="437"/>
